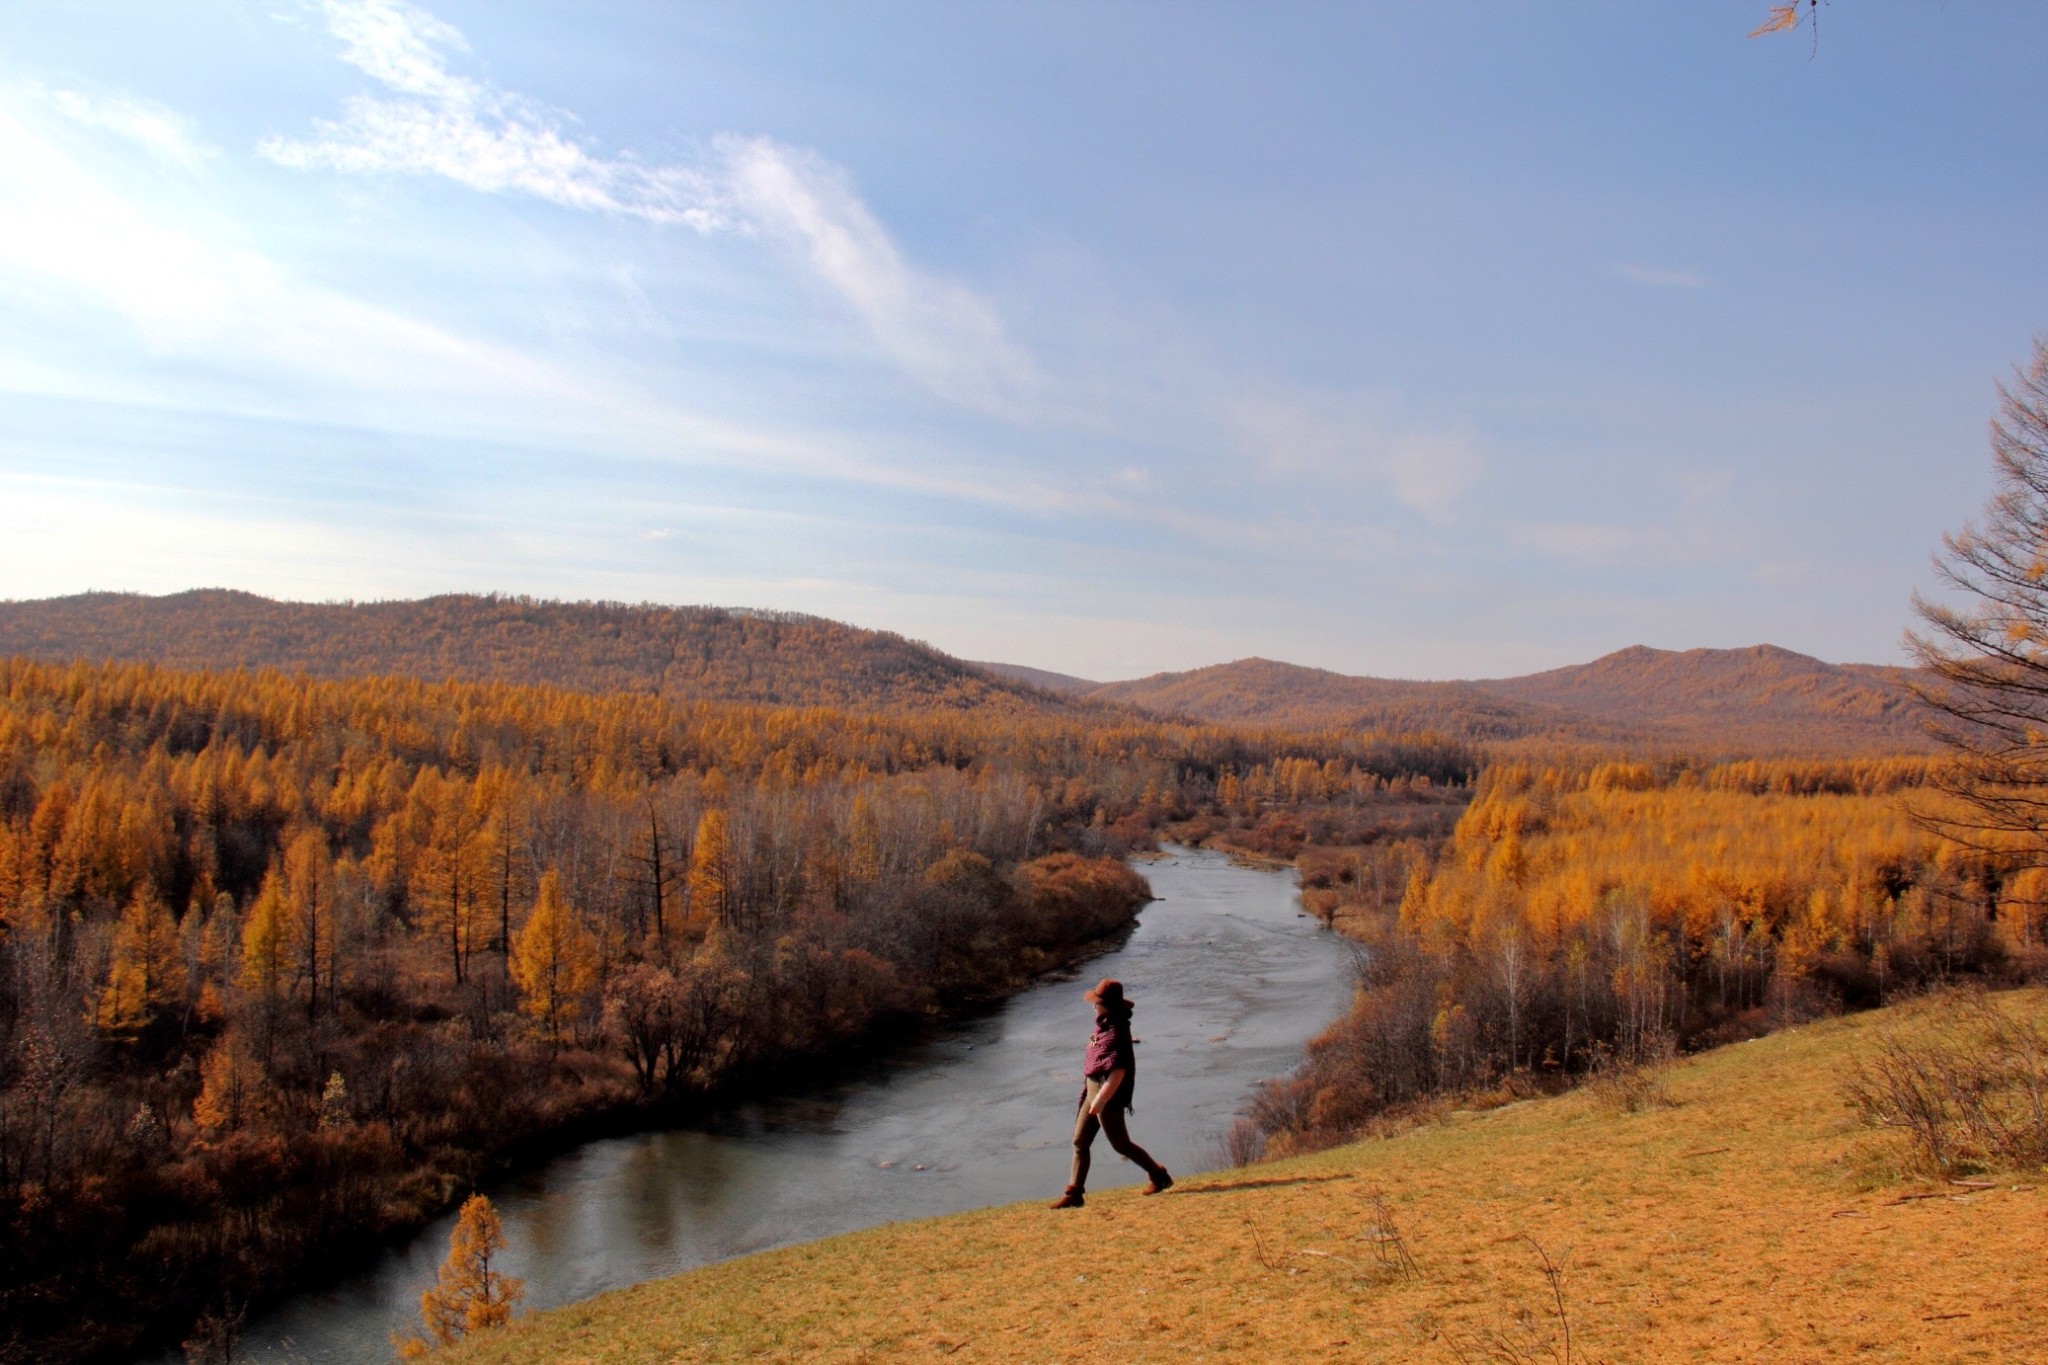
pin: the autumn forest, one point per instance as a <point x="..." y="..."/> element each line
<point x="290" y="963"/>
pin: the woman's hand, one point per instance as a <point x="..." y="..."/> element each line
<point x="1103" y="1093"/>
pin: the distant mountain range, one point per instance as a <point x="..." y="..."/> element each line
<point x="1758" y="700"/>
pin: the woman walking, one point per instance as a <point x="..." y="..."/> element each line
<point x="1110" y="1079"/>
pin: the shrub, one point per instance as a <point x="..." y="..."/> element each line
<point x="1970" y="1090"/>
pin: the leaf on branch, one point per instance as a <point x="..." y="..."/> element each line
<point x="1782" y="17"/>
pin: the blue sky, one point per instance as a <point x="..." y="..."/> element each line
<point x="1422" y="340"/>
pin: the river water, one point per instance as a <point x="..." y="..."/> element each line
<point x="1229" y="977"/>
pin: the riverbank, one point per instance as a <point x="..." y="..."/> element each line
<point x="1739" y="1213"/>
<point x="1230" y="980"/>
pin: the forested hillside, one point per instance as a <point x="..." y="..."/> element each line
<point x="681" y="653"/>
<point x="1782" y="700"/>
<point x="1266" y="692"/>
<point x="1066" y="684"/>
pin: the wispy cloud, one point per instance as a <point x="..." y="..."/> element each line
<point x="434" y="122"/>
<point x="941" y="332"/>
<point x="162" y="132"/>
<point x="83" y="253"/>
<point x="1606" y="546"/>
<point x="1352" y="438"/>
<point x="1661" y="279"/>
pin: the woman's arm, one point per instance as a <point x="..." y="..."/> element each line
<point x="1110" y="1086"/>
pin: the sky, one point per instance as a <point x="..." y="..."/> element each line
<point x="1415" y="340"/>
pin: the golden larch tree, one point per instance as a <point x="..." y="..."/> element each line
<point x="470" y="1294"/>
<point x="231" y="1085"/>
<point x="711" y="898"/>
<point x="148" y="971"/>
<point x="309" y="901"/>
<point x="266" y="941"/>
<point x="555" y="960"/>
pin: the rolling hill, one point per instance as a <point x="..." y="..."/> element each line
<point x="1760" y="699"/>
<point x="1266" y="692"/>
<point x="1699" y="694"/>
<point x="688" y="653"/>
<point x="1757" y="700"/>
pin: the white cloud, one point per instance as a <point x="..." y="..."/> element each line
<point x="1661" y="279"/>
<point x="68" y="535"/>
<point x="398" y="45"/>
<point x="490" y="140"/>
<point x="437" y="123"/>
<point x="1360" y="438"/>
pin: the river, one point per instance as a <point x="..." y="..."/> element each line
<point x="1229" y="977"/>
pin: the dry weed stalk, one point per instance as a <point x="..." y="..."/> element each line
<point x="216" y="1333"/>
<point x="1389" y="1247"/>
<point x="1524" y="1345"/>
<point x="1631" y="1082"/>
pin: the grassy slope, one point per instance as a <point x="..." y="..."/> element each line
<point x="1750" y="1220"/>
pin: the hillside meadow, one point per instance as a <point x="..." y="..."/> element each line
<point x="1736" y="1207"/>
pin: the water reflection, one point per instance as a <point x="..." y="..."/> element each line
<point x="1229" y="978"/>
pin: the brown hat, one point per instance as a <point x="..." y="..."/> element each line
<point x="1108" y="992"/>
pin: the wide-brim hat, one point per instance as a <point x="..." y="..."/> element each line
<point x="1108" y="991"/>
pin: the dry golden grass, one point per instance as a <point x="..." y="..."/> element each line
<point x="1750" y="1219"/>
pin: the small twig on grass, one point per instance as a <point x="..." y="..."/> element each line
<point x="1556" y="1279"/>
<point x="1259" y="1243"/>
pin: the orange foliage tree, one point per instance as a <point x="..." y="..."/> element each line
<point x="470" y="1294"/>
<point x="555" y="961"/>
